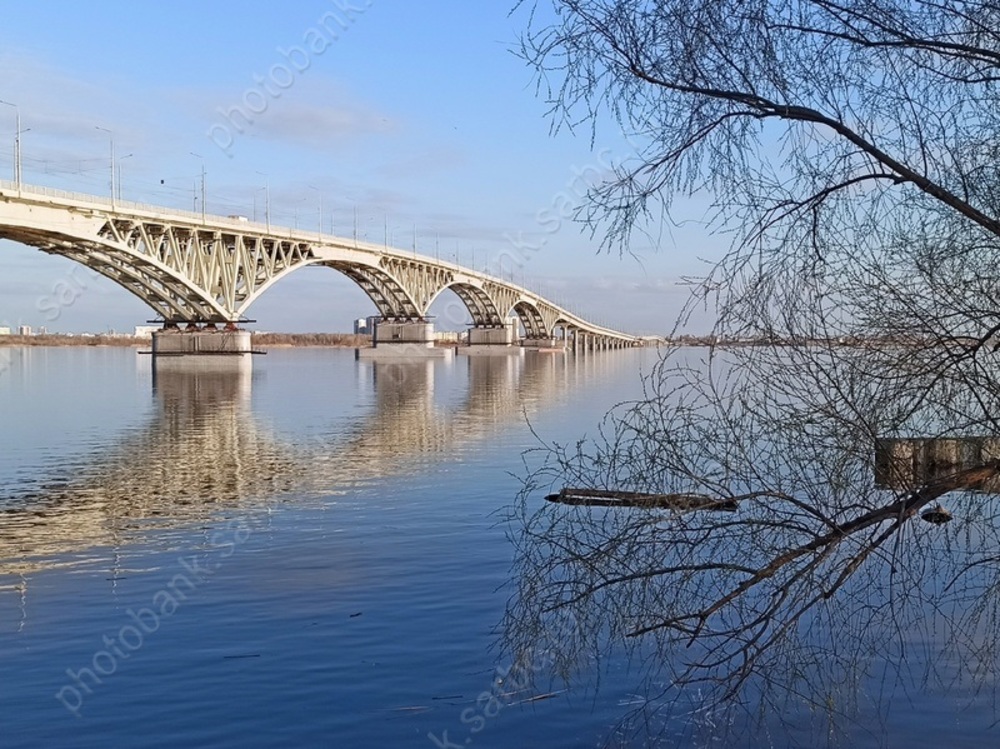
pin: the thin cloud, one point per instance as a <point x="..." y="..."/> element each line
<point x="424" y="163"/>
<point x="320" y="127"/>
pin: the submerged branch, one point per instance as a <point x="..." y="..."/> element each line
<point x="906" y="507"/>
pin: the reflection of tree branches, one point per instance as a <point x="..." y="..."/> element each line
<point x="785" y="600"/>
<point x="849" y="147"/>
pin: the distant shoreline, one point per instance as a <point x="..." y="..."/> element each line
<point x="350" y="340"/>
<point x="274" y="340"/>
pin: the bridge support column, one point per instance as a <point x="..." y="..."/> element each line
<point x="541" y="343"/>
<point x="195" y="342"/>
<point x="480" y="336"/>
<point x="408" y="331"/>
<point x="402" y="339"/>
<point x="490" y="340"/>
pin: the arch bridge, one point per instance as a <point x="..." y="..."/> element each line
<point x="193" y="268"/>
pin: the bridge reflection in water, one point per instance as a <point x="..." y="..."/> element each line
<point x="204" y="452"/>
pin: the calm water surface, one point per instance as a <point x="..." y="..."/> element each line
<point x="309" y="554"/>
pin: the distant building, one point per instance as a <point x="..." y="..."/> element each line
<point x="24" y="330"/>
<point x="4" y="330"/>
<point x="145" y="331"/>
<point x="42" y="331"/>
<point x="366" y="325"/>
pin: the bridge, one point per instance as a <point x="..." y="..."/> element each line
<point x="195" y="269"/>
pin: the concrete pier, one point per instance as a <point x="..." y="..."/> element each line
<point x="902" y="464"/>
<point x="487" y="350"/>
<point x="213" y="343"/>
<point x="503" y="336"/>
<point x="542" y="343"/>
<point x="408" y="339"/>
<point x="419" y="331"/>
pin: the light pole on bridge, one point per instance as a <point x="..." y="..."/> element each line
<point x="17" y="142"/>
<point x="320" y="209"/>
<point x="126" y="156"/>
<point x="111" y="135"/>
<point x="267" y="199"/>
<point x="203" y="208"/>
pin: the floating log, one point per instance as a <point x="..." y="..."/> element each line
<point x="613" y="498"/>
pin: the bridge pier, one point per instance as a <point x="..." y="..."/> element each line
<point x="486" y="340"/>
<point x="199" y="342"/>
<point x="403" y="339"/>
<point x="405" y="331"/>
<point x="491" y="336"/>
<point x="542" y="343"/>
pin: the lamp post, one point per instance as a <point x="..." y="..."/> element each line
<point x="320" y="208"/>
<point x="203" y="206"/>
<point x="127" y="156"/>
<point x="254" y="197"/>
<point x="17" y="142"/>
<point x="267" y="199"/>
<point x="111" y="135"/>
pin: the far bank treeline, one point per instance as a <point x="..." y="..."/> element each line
<point x="350" y="340"/>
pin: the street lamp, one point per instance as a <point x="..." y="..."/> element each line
<point x="320" y="208"/>
<point x="267" y="199"/>
<point x="17" y="142"/>
<point x="127" y="156"/>
<point x="254" y="197"/>
<point x="111" y="135"/>
<point x="203" y="209"/>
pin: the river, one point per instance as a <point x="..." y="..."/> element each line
<point x="311" y="552"/>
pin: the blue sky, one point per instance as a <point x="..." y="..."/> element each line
<point x="417" y="117"/>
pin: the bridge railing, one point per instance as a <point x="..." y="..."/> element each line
<point x="80" y="197"/>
